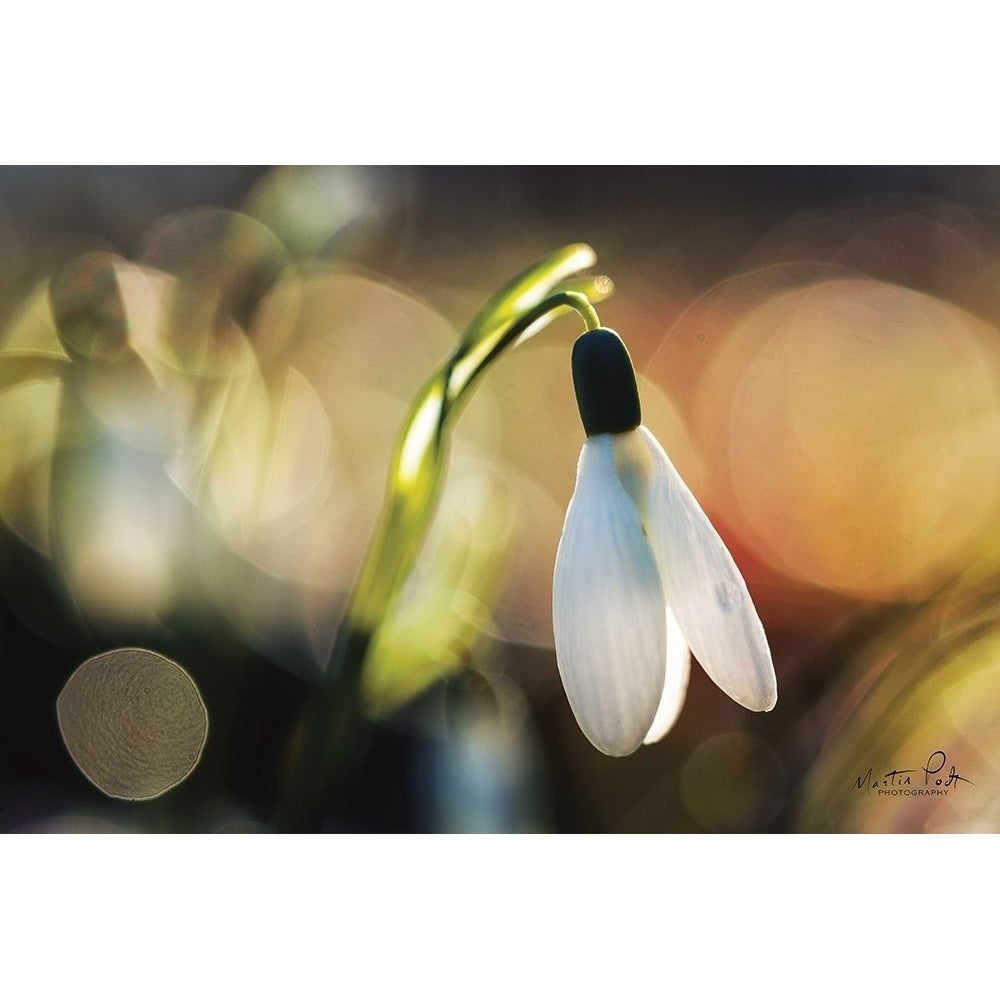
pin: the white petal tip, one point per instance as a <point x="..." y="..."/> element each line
<point x="758" y="702"/>
<point x="611" y="750"/>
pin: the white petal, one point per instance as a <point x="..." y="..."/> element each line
<point x="607" y="609"/>
<point x="705" y="590"/>
<point x="675" y="686"/>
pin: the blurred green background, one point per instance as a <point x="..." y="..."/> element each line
<point x="202" y="373"/>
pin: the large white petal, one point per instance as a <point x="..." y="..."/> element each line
<point x="705" y="590"/>
<point x="607" y="609"/>
<point x="675" y="686"/>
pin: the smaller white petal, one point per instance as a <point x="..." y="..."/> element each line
<point x="705" y="589"/>
<point x="675" y="686"/>
<point x="608" y="609"/>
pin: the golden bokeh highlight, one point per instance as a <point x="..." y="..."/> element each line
<point x="133" y="722"/>
<point x="856" y="425"/>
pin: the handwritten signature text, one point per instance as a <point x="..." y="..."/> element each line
<point x="931" y="779"/>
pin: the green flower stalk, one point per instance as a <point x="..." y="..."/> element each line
<point x="325" y="743"/>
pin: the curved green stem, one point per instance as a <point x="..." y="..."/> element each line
<point x="467" y="365"/>
<point x="332" y="723"/>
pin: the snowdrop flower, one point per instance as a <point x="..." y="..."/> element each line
<point x="641" y="576"/>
